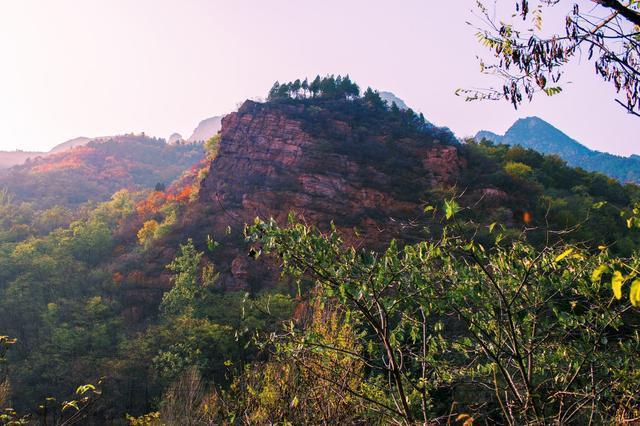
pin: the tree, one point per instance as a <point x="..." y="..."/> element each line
<point x="148" y="232"/>
<point x="295" y="88"/>
<point x="373" y="99"/>
<point x="186" y="285"/>
<point x="314" y="86"/>
<point x="512" y="333"/>
<point x="297" y="384"/>
<point x="528" y="60"/>
<point x="349" y="88"/>
<point x="5" y="390"/>
<point x="274" y="91"/>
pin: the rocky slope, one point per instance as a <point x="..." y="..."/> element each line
<point x="390" y="98"/>
<point x="81" y="141"/>
<point x="365" y="168"/>
<point x="274" y="159"/>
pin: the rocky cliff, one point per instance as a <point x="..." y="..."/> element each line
<point x="324" y="165"/>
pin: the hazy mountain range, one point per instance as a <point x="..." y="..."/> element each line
<point x="530" y="132"/>
<point x="205" y="130"/>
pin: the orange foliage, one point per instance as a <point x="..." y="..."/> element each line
<point x="184" y="195"/>
<point x="74" y="159"/>
<point x="117" y="277"/>
<point x="152" y="204"/>
<point x="156" y="200"/>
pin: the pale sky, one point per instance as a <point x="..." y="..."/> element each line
<point x="94" y="67"/>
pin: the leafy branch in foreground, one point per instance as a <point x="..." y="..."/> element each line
<point x="69" y="412"/>
<point x="449" y="328"/>
<point x="529" y="60"/>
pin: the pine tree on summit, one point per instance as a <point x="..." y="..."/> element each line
<point x="315" y="86"/>
<point x="329" y="87"/>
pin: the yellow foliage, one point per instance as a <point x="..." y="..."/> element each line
<point x="616" y="284"/>
<point x="148" y="232"/>
<point x="518" y="170"/>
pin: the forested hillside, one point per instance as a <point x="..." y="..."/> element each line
<point x="388" y="274"/>
<point x="93" y="172"/>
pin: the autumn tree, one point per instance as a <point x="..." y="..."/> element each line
<point x="528" y="60"/>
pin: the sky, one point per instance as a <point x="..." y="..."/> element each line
<point x="94" y="68"/>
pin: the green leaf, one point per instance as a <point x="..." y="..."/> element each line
<point x="211" y="243"/>
<point x="616" y="284"/>
<point x="84" y="389"/>
<point x="451" y="208"/>
<point x="599" y="205"/>
<point x="551" y="91"/>
<point x="295" y="402"/>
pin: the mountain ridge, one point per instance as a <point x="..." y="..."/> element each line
<point x="95" y="170"/>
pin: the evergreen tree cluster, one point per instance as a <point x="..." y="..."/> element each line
<point x="329" y="87"/>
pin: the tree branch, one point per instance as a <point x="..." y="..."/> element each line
<point x="628" y="13"/>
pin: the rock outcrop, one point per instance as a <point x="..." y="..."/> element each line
<point x="274" y="159"/>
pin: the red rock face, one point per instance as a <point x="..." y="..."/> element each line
<point x="269" y="164"/>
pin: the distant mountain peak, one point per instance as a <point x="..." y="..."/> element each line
<point x="206" y="129"/>
<point x="175" y="138"/>
<point x="391" y="98"/>
<point x="539" y="135"/>
<point x="72" y="143"/>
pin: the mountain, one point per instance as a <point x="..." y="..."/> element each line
<point x="391" y="98"/>
<point x="206" y="129"/>
<point x="362" y="167"/>
<point x="69" y="144"/>
<point x="12" y="158"/>
<point x="86" y="300"/>
<point x="537" y="134"/>
<point x="322" y="163"/>
<point x="97" y="169"/>
<point x="175" y="138"/>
